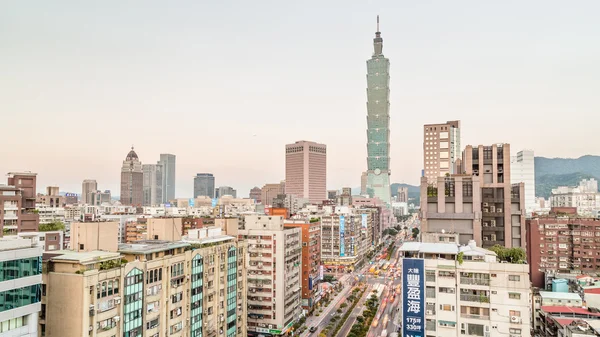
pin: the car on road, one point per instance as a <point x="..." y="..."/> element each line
<point x="312" y="329"/>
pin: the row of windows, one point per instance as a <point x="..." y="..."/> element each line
<point x="14" y="269"/>
<point x="20" y="297"/>
<point x="108" y="288"/>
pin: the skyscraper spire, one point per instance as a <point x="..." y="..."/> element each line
<point x="378" y="41"/>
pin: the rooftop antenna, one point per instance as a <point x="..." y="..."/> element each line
<point x="377" y="22"/>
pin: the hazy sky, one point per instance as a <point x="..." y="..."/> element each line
<point x="82" y="81"/>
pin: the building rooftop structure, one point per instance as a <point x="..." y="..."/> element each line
<point x="446" y="248"/>
<point x="81" y="257"/>
<point x="150" y="246"/>
<point x="560" y="295"/>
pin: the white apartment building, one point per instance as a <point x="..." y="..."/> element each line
<point x="273" y="263"/>
<point x="478" y="297"/>
<point x="585" y="197"/>
<point x="522" y="170"/>
<point x="20" y="287"/>
<point x="50" y="214"/>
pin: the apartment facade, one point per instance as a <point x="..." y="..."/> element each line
<point x="149" y="288"/>
<point x="20" y="286"/>
<point x="132" y="180"/>
<point x="343" y="244"/>
<point x="311" y="259"/>
<point x="273" y="262"/>
<point x="503" y="204"/>
<point x="441" y="149"/>
<point x="562" y="244"/>
<point x="584" y="197"/>
<point x="477" y="297"/>
<point x="17" y="204"/>
<point x="306" y="170"/>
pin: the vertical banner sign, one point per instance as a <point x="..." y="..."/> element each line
<point x="364" y="223"/>
<point x="321" y="272"/>
<point x="342" y="232"/>
<point x="191" y="202"/>
<point x="353" y="249"/>
<point x="413" y="298"/>
<point x="214" y="202"/>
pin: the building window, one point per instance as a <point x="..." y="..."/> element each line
<point x="514" y="296"/>
<point x="514" y="278"/>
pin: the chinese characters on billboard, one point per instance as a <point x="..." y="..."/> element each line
<point x="342" y="232"/>
<point x="413" y="301"/>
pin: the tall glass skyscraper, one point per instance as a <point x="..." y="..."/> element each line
<point x="378" y="122"/>
<point x="167" y="161"/>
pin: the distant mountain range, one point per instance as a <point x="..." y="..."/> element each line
<point x="553" y="172"/>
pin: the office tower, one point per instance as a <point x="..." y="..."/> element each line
<point x="468" y="292"/>
<point x="311" y="260"/>
<point x="332" y="194"/>
<point x="132" y="180"/>
<point x="274" y="263"/>
<point x="378" y="122"/>
<point x="17" y="204"/>
<point x="306" y="170"/>
<point x="522" y="170"/>
<point x="503" y="204"/>
<point x="225" y="190"/>
<point x="98" y="198"/>
<point x="402" y="194"/>
<point x="270" y="191"/>
<point x="167" y="161"/>
<point x="363" y="183"/>
<point x="204" y="185"/>
<point x="20" y="286"/>
<point x="255" y="194"/>
<point x="88" y="186"/>
<point x="153" y="184"/>
<point x="441" y="149"/>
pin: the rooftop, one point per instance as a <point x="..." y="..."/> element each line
<point x="150" y="246"/>
<point x="208" y="240"/>
<point x="560" y="296"/>
<point x="558" y="309"/>
<point x="444" y="248"/>
<point x="13" y="242"/>
<point x="81" y="257"/>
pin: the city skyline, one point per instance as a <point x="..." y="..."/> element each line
<point x="445" y="67"/>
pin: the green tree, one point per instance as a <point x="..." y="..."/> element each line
<point x="415" y="232"/>
<point x="52" y="226"/>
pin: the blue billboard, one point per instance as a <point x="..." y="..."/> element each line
<point x="413" y="298"/>
<point x="342" y="230"/>
<point x="214" y="202"/>
<point x="191" y="202"/>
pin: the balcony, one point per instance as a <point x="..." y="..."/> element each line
<point x="475" y="281"/>
<point x="475" y="298"/>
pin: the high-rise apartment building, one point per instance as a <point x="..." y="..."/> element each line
<point x="274" y="269"/>
<point x="225" y="190"/>
<point x="306" y="170"/>
<point x="378" y="122"/>
<point x="343" y="242"/>
<point x="441" y="149"/>
<point x="561" y="244"/>
<point x="167" y="163"/>
<point x="255" y="194"/>
<point x="20" y="286"/>
<point x="311" y="259"/>
<point x="194" y="287"/>
<point x="503" y="204"/>
<point x="132" y="180"/>
<point x="522" y="170"/>
<point x="17" y="204"/>
<point x="88" y="185"/>
<point x="204" y="185"/>
<point x="270" y="191"/>
<point x="153" y="184"/>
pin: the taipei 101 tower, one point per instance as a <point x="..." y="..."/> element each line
<point x="378" y="122"/>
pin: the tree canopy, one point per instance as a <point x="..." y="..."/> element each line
<point x="512" y="255"/>
<point x="52" y="226"/>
